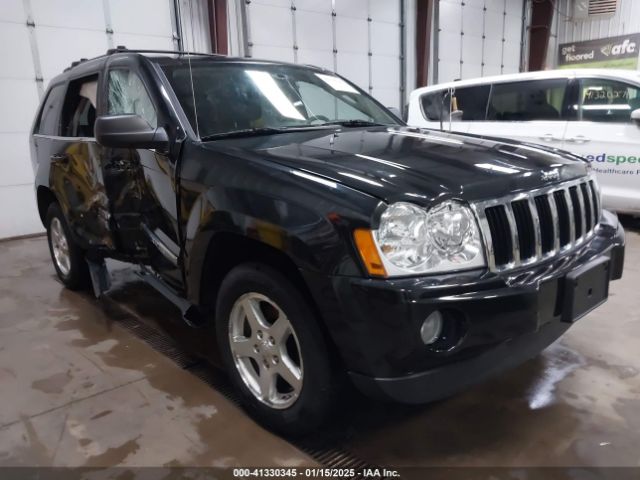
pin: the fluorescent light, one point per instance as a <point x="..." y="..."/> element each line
<point x="606" y="107"/>
<point x="270" y="89"/>
<point x="336" y="83"/>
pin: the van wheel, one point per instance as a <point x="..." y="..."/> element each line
<point x="273" y="350"/>
<point x="68" y="258"/>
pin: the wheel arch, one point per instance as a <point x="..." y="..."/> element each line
<point x="228" y="250"/>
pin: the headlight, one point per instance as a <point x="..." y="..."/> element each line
<point x="413" y="240"/>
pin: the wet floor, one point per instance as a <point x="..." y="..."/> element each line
<point x="79" y="389"/>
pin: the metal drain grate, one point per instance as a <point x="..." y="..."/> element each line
<point x="328" y="457"/>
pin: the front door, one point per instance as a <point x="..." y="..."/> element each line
<point x="605" y="134"/>
<point x="141" y="183"/>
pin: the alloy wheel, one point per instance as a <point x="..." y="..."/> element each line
<point x="60" y="246"/>
<point x="266" y="351"/>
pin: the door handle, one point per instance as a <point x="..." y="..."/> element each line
<point x="578" y="139"/>
<point x="548" y="137"/>
<point x="60" y="158"/>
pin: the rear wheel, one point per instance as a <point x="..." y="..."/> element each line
<point x="273" y="349"/>
<point x="68" y="258"/>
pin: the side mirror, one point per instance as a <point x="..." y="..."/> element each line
<point x="129" y="131"/>
<point x="635" y="116"/>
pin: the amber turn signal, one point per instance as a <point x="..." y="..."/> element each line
<point x="369" y="252"/>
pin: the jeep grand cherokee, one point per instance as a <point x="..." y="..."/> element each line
<point x="310" y="234"/>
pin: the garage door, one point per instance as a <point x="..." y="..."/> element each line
<point x="38" y="39"/>
<point x="478" y="38"/>
<point x="359" y="39"/>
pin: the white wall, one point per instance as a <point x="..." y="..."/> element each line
<point x="567" y="29"/>
<point x="477" y="38"/>
<point x="59" y="32"/>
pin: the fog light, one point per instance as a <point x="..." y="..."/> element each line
<point x="431" y="328"/>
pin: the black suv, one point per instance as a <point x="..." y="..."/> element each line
<point x="310" y="233"/>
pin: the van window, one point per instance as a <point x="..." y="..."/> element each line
<point x="127" y="95"/>
<point x="48" y="123"/>
<point x="433" y="105"/>
<point x="607" y="100"/>
<point x="79" y="110"/>
<point x="526" y="101"/>
<point x="470" y="102"/>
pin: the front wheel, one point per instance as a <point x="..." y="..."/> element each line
<point x="68" y="258"/>
<point x="273" y="349"/>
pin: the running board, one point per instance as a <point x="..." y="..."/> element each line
<point x="191" y="314"/>
<point x="100" y="279"/>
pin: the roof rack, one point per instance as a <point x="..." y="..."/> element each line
<point x="123" y="49"/>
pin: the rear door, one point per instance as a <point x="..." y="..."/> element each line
<point x="533" y="111"/>
<point x="605" y="134"/>
<point x="75" y="174"/>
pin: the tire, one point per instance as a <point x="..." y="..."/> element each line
<point x="67" y="257"/>
<point x="295" y="406"/>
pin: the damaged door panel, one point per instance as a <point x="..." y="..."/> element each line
<point x="75" y="167"/>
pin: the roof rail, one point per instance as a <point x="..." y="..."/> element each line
<point x="76" y="63"/>
<point x="122" y="48"/>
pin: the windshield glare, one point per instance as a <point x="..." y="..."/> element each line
<point x="228" y="97"/>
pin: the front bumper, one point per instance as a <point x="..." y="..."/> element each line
<point x="502" y="320"/>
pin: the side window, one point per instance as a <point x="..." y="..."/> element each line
<point x="607" y="100"/>
<point x="79" y="109"/>
<point x="48" y="123"/>
<point x="127" y="95"/>
<point x="433" y="105"/>
<point x="471" y="101"/>
<point x="526" y="101"/>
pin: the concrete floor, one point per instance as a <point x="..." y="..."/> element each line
<point x="79" y="389"/>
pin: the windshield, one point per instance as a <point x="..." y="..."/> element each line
<point x="232" y="97"/>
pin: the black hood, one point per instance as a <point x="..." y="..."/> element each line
<point x="415" y="165"/>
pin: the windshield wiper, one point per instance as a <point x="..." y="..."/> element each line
<point x="355" y="123"/>
<point x="245" y="132"/>
<point x="258" y="131"/>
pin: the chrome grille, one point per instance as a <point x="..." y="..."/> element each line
<point x="526" y="228"/>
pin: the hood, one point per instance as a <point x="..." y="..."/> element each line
<point x="421" y="166"/>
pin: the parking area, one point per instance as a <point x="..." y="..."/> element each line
<point x="90" y="383"/>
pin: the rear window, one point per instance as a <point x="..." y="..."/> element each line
<point x="79" y="110"/>
<point x="48" y="123"/>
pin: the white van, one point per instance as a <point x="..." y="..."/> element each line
<point x="593" y="113"/>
